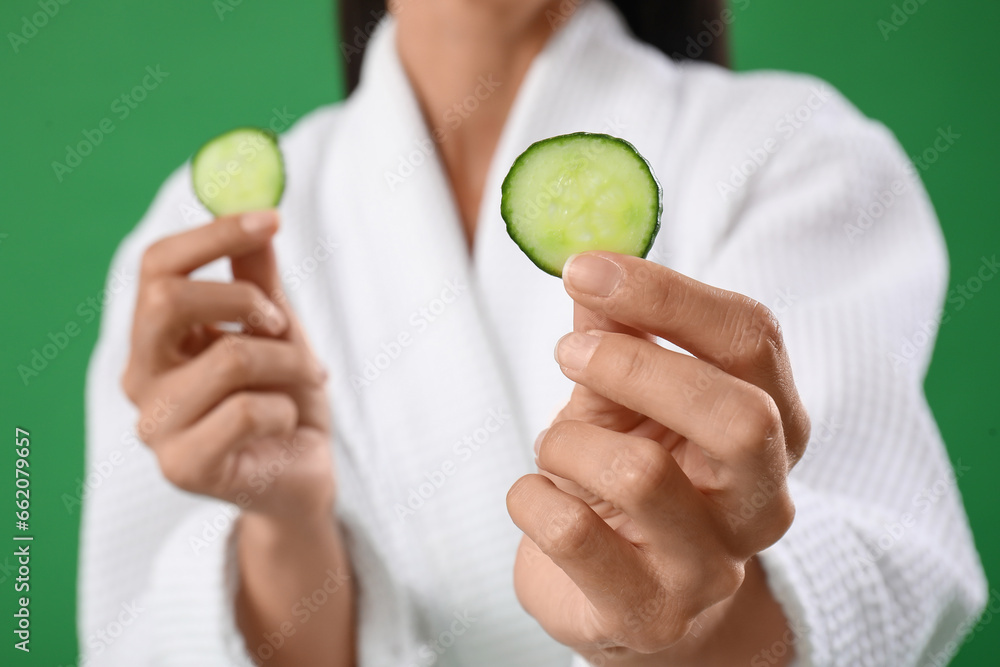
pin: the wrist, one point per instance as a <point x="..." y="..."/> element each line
<point x="728" y="633"/>
<point x="284" y="565"/>
<point x="269" y="533"/>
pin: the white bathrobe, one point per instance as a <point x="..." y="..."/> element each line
<point x="442" y="372"/>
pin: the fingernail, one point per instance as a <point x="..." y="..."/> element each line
<point x="575" y="349"/>
<point x="538" y="441"/>
<point x="274" y="319"/>
<point x="592" y="274"/>
<point x="258" y="222"/>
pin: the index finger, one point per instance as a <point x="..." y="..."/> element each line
<point x="737" y="334"/>
<point x="231" y="236"/>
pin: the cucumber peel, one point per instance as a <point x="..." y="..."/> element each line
<point x="578" y="192"/>
<point x="240" y="170"/>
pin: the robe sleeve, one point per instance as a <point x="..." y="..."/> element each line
<point x="835" y="233"/>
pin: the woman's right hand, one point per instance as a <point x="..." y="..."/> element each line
<point x="244" y="416"/>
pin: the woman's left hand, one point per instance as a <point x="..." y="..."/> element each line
<point x="665" y="474"/>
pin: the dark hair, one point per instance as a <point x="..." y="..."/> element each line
<point x="682" y="29"/>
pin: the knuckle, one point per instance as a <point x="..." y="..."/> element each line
<point x="670" y="628"/>
<point x="647" y="627"/>
<point x="287" y="410"/>
<point x="772" y="514"/>
<point x="309" y="368"/>
<point x="720" y="579"/>
<point x="781" y="514"/>
<point x="800" y="432"/>
<point x="146" y="428"/>
<point x="667" y="635"/>
<point x="758" y="422"/>
<point x="759" y="341"/>
<point x="804" y="427"/>
<point x="564" y="429"/>
<point x="237" y="359"/>
<point x="274" y="414"/>
<point x="653" y="642"/>
<point x="177" y="471"/>
<point x="249" y="294"/>
<point x="246" y="413"/>
<point x="670" y="634"/>
<point x="152" y="258"/>
<point x="161" y="296"/>
<point x="645" y="468"/>
<point x="244" y="290"/>
<point x="603" y="636"/>
<point x="660" y="294"/>
<point x="631" y="365"/>
<point x="130" y="384"/>
<point x="560" y="433"/>
<point x="656" y="637"/>
<point x="568" y="530"/>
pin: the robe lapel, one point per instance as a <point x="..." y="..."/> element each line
<point x="447" y="370"/>
<point x="440" y="429"/>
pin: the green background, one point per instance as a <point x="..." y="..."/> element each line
<point x="233" y="67"/>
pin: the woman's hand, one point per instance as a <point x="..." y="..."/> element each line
<point x="247" y="418"/>
<point x="664" y="475"/>
<point x="243" y="416"/>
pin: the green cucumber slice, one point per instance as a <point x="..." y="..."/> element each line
<point x="240" y="170"/>
<point x="579" y="192"/>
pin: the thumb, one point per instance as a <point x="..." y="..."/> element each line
<point x="260" y="267"/>
<point x="586" y="404"/>
<point x="585" y="319"/>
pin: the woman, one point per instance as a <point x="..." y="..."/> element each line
<point x="335" y="482"/>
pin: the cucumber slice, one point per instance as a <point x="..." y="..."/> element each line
<point x="579" y="192"/>
<point x="240" y="170"/>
